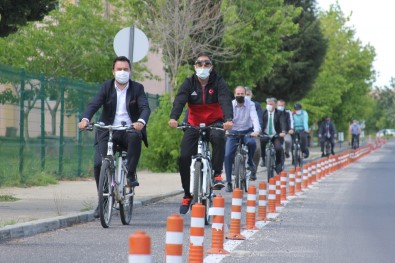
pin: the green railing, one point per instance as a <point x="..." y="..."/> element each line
<point x="38" y="126"/>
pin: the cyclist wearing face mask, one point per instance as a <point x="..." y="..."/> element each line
<point x="301" y="125"/>
<point x="245" y="121"/>
<point x="209" y="102"/>
<point x="122" y="100"/>
<point x="290" y="126"/>
<point x="274" y="123"/>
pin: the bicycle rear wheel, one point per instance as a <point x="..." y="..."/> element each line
<point x="106" y="193"/>
<point x="327" y="147"/>
<point x="126" y="206"/>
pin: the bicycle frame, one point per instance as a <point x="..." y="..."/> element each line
<point x="241" y="153"/>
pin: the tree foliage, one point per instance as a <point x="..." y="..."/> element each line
<point x="343" y="84"/>
<point x="257" y="35"/>
<point x="293" y="80"/>
<point x="16" y="13"/>
<point x="163" y="152"/>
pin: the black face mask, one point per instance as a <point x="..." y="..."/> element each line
<point x="239" y="99"/>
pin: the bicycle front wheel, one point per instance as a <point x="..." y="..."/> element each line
<point x="238" y="171"/>
<point x="197" y="182"/>
<point x="106" y="193"/>
<point x="126" y="206"/>
<point x="269" y="164"/>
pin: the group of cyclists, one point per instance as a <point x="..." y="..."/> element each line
<point x="207" y="95"/>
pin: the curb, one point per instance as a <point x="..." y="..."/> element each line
<point x="31" y="228"/>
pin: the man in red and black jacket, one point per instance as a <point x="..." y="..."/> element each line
<point x="209" y="102"/>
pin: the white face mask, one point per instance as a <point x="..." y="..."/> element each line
<point x="269" y="107"/>
<point x="122" y="76"/>
<point x="298" y="112"/>
<point x="281" y="108"/>
<point x="248" y="97"/>
<point x="203" y="73"/>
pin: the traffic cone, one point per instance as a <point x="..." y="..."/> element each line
<point x="197" y="234"/>
<point x="278" y="192"/>
<point x="305" y="176"/>
<point x="251" y="208"/>
<point x="298" y="181"/>
<point x="217" y="227"/>
<point x="262" y="201"/>
<point x="291" y="187"/>
<point x="272" y="196"/>
<point x="139" y="248"/>
<point x="174" y="238"/>
<point x="283" y="186"/>
<point x="235" y="217"/>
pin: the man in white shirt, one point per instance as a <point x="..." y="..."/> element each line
<point x="245" y="122"/>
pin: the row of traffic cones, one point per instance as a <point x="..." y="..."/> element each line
<point x="271" y="199"/>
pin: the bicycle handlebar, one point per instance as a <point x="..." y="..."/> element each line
<point x="212" y="127"/>
<point x="108" y="127"/>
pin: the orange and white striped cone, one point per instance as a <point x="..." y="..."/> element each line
<point x="139" y="248"/>
<point x="291" y="186"/>
<point x="235" y="217"/>
<point x="174" y="238"/>
<point x="314" y="173"/>
<point x="197" y="233"/>
<point x="251" y="208"/>
<point x="283" y="178"/>
<point x="217" y="211"/>
<point x="279" y="206"/>
<point x="298" y="181"/>
<point x="272" y="199"/>
<point x="309" y="174"/>
<point x="305" y="177"/>
<point x="319" y="170"/>
<point x="262" y="201"/>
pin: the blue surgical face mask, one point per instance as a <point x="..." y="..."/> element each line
<point x="280" y="108"/>
<point x="203" y="73"/>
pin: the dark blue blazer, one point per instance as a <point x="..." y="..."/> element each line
<point x="136" y="101"/>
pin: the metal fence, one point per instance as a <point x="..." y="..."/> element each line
<point x="38" y="125"/>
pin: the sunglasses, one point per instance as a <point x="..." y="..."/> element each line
<point x="203" y="63"/>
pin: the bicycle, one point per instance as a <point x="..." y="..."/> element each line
<point x="201" y="184"/>
<point x="270" y="156"/>
<point x="297" y="154"/>
<point x="241" y="174"/>
<point x="327" y="147"/>
<point x="113" y="186"/>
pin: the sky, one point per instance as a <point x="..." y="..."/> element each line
<point x="374" y="24"/>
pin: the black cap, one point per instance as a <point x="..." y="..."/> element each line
<point x="298" y="106"/>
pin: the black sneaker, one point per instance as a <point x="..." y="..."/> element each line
<point x="229" y="188"/>
<point x="185" y="205"/>
<point x="96" y="212"/>
<point x="218" y="183"/>
<point x="253" y="176"/>
<point x="286" y="155"/>
<point x="132" y="182"/>
<point x="322" y="155"/>
<point x="333" y="153"/>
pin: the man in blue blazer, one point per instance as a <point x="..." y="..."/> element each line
<point x="122" y="100"/>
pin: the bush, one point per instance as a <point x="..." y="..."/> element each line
<point x="163" y="152"/>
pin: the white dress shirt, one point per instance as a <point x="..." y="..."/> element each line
<point x="245" y="116"/>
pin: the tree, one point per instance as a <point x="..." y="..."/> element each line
<point x="184" y="28"/>
<point x="257" y="36"/>
<point x="292" y="80"/>
<point x="342" y="87"/>
<point x="83" y="53"/>
<point x="14" y="13"/>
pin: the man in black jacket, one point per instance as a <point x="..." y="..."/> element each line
<point x="327" y="131"/>
<point x="209" y="102"/>
<point x="274" y="123"/>
<point x="123" y="100"/>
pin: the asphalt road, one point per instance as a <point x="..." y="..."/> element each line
<point x="348" y="217"/>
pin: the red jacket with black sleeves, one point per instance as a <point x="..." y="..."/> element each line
<point x="208" y="104"/>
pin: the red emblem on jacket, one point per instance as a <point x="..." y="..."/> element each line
<point x="211" y="91"/>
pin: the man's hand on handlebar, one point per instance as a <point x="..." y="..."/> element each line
<point x="254" y="134"/>
<point x="291" y="132"/>
<point x="173" y="123"/>
<point x="228" y="125"/>
<point x="282" y="134"/>
<point x="83" y="124"/>
<point x="138" y="126"/>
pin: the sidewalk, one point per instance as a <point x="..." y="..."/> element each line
<point x="45" y="208"/>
